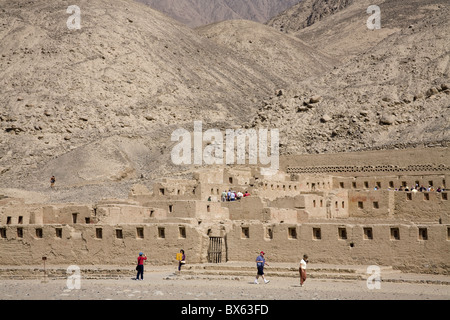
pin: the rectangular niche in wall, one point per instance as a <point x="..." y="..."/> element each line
<point x="423" y="234"/>
<point x="269" y="233"/>
<point x="395" y="233"/>
<point x="245" y="232"/>
<point x="140" y="233"/>
<point x="317" y="234"/>
<point x="181" y="232"/>
<point x="368" y="233"/>
<point x="342" y="232"/>
<point x="119" y="234"/>
<point x="19" y="232"/>
<point x="161" y="232"/>
<point x="39" y="233"/>
<point x="292" y="233"/>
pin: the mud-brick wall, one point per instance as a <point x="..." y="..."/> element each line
<point x="400" y="245"/>
<point x="86" y="245"/>
<point x="371" y="204"/>
<point x="21" y="214"/>
<point x="68" y="214"/>
<point x="247" y="208"/>
<point x="423" y="206"/>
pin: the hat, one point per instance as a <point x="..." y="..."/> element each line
<point x="262" y="252"/>
<point x="140" y="253"/>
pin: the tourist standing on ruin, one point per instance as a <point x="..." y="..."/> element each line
<point x="260" y="262"/>
<point x="140" y="266"/>
<point x="52" y="182"/>
<point x="302" y="269"/>
<point x="224" y="196"/>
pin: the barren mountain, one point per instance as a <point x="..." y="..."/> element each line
<point x="99" y="103"/>
<point x="343" y="33"/>
<point x="306" y="13"/>
<point x="96" y="106"/>
<point x="392" y="89"/>
<point x="285" y="54"/>
<point x="202" y="12"/>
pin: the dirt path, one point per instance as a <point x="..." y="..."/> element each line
<point x="165" y="285"/>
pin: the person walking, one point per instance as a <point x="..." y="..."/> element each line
<point x="302" y="269"/>
<point x="140" y="266"/>
<point x="260" y="262"/>
<point x="182" y="261"/>
<point x="52" y="182"/>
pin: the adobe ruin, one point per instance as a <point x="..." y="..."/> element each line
<point x="339" y="209"/>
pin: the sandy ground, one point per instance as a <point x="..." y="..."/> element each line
<point x="166" y="285"/>
<point x="163" y="292"/>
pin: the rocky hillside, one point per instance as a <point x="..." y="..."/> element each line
<point x="286" y="55"/>
<point x="99" y="104"/>
<point x="96" y="106"/>
<point x="197" y="13"/>
<point x="393" y="92"/>
<point x="306" y="13"/>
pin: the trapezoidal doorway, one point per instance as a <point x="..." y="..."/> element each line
<point x="216" y="250"/>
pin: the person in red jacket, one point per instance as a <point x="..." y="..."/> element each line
<point x="140" y="266"/>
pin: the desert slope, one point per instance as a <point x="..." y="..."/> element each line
<point x="196" y="13"/>
<point x="129" y="71"/>
<point x="391" y="93"/>
<point x="338" y="27"/>
<point x="306" y="13"/>
<point x="285" y="54"/>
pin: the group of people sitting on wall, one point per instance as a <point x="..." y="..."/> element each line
<point x="416" y="189"/>
<point x="233" y="195"/>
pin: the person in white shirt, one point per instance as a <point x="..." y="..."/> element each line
<point x="302" y="269"/>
